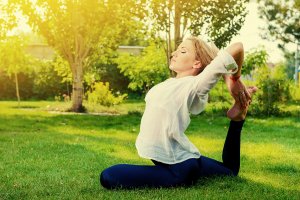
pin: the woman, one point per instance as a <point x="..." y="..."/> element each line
<point x="166" y="117"/>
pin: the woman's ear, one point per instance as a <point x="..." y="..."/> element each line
<point x="197" y="64"/>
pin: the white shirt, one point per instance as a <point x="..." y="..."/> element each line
<point x="166" y="116"/>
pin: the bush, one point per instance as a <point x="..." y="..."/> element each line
<point x="220" y="93"/>
<point x="145" y="70"/>
<point x="48" y="82"/>
<point x="100" y="94"/>
<point x="295" y="92"/>
<point x="274" y="89"/>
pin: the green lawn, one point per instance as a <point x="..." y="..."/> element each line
<point x="59" y="156"/>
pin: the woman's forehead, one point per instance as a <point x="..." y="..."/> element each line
<point x="188" y="44"/>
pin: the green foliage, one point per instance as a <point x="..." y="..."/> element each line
<point x="62" y="68"/>
<point x="42" y="83"/>
<point x="77" y="29"/>
<point x="8" y="19"/>
<point x="103" y="68"/>
<point x="8" y="86"/>
<point x="255" y="58"/>
<point x="290" y="63"/>
<point x="48" y="82"/>
<point x="145" y="70"/>
<point x="279" y="72"/>
<point x="101" y="94"/>
<point x="295" y="92"/>
<point x="274" y="89"/>
<point x="219" y="20"/>
<point x="13" y="58"/>
<point x="282" y="19"/>
<point x="117" y="80"/>
<point x="220" y="93"/>
<point x="224" y="19"/>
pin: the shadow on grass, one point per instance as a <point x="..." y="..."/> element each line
<point x="24" y="107"/>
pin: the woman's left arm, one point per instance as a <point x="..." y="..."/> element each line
<point x="235" y="86"/>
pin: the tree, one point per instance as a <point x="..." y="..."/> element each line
<point x="13" y="59"/>
<point x="145" y="70"/>
<point x="220" y="20"/>
<point x="7" y="19"/>
<point x="51" y="79"/>
<point x="255" y="58"/>
<point x="76" y="29"/>
<point x="283" y="22"/>
<point x="283" y="19"/>
<point x="290" y="63"/>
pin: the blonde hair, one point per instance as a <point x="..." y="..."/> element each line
<point x="205" y="53"/>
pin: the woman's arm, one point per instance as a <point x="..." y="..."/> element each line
<point x="235" y="86"/>
<point x="236" y="50"/>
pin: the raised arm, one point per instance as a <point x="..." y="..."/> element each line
<point x="235" y="86"/>
<point x="236" y="50"/>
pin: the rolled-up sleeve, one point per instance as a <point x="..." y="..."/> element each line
<point x="207" y="79"/>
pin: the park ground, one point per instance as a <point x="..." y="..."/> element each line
<point x="53" y="155"/>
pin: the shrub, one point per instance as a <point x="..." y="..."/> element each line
<point x="220" y="93"/>
<point x="274" y="89"/>
<point x="100" y="94"/>
<point x="295" y="91"/>
<point x="145" y="70"/>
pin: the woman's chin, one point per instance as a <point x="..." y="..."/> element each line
<point x="171" y="67"/>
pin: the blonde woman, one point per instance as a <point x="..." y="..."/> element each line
<point x="166" y="117"/>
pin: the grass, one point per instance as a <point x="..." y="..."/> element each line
<point x="53" y="156"/>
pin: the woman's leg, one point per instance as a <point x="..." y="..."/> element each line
<point x="231" y="154"/>
<point x="160" y="175"/>
<point x="231" y="149"/>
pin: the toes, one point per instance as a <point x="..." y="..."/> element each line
<point x="252" y="89"/>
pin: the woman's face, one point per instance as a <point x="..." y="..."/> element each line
<point x="183" y="59"/>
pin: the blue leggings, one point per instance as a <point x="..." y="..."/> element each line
<point x="184" y="173"/>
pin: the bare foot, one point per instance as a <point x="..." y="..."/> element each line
<point x="236" y="113"/>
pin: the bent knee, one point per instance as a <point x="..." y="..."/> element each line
<point x="105" y="179"/>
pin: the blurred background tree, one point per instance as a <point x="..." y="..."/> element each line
<point x="14" y="60"/>
<point x="7" y="19"/>
<point x="146" y="69"/>
<point x="283" y="20"/>
<point x="255" y="58"/>
<point x="76" y="29"/>
<point x="283" y="24"/>
<point x="219" y="20"/>
<point x="87" y="37"/>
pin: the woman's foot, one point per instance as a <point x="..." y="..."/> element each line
<point x="237" y="113"/>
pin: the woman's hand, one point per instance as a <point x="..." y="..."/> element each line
<point x="238" y="91"/>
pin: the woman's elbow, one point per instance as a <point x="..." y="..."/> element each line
<point x="239" y="47"/>
<point x="236" y="50"/>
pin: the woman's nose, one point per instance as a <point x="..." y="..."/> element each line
<point x="174" y="53"/>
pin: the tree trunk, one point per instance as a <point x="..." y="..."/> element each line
<point x="17" y="89"/>
<point x="77" y="94"/>
<point x="169" y="45"/>
<point x="177" y="20"/>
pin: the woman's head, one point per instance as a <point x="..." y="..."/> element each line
<point x="192" y="56"/>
